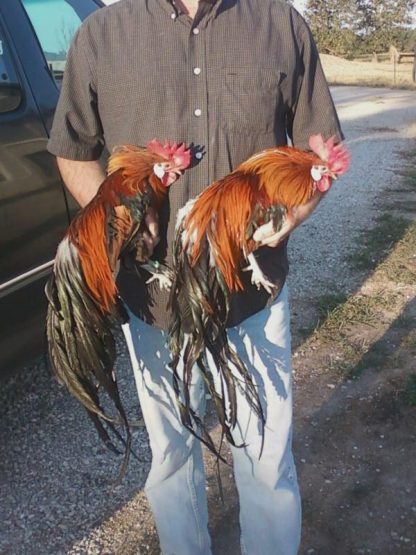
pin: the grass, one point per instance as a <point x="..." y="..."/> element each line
<point x="351" y="356"/>
<point x="359" y="309"/>
<point x="400" y="265"/>
<point x="410" y="391"/>
<point x="328" y="303"/>
<point x="377" y="242"/>
<point x="369" y="74"/>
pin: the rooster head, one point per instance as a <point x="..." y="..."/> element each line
<point x="335" y="160"/>
<point x="171" y="160"/>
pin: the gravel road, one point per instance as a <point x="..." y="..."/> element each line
<point x="57" y="480"/>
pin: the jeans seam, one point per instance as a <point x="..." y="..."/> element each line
<point x="194" y="499"/>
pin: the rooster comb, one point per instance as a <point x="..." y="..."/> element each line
<point x="177" y="154"/>
<point x="335" y="155"/>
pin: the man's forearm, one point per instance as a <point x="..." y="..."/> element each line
<point x="81" y="178"/>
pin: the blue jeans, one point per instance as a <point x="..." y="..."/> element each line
<point x="270" y="513"/>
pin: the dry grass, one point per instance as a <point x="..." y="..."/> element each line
<point x="383" y="74"/>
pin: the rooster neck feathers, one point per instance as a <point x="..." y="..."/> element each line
<point x="135" y="165"/>
<point x="284" y="174"/>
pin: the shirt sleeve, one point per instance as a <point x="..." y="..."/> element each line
<point x="313" y="111"/>
<point x="77" y="132"/>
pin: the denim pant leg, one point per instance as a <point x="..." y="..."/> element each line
<point x="270" y="511"/>
<point x="175" y="486"/>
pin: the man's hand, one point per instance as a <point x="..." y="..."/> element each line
<point x="265" y="235"/>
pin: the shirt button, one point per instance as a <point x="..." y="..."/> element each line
<point x="197" y="112"/>
<point x="197" y="70"/>
<point x="198" y="155"/>
<point x="173" y="15"/>
<point x="195" y="31"/>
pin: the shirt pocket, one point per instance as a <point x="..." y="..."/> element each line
<point x="251" y="99"/>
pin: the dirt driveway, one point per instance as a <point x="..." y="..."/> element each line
<point x="354" y="347"/>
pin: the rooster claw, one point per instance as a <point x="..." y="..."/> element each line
<point x="160" y="273"/>
<point x="258" y="278"/>
<point x="165" y="283"/>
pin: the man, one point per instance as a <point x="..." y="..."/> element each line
<point x="229" y="77"/>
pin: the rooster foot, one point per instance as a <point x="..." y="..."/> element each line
<point x="258" y="278"/>
<point x="165" y="282"/>
<point x="160" y="273"/>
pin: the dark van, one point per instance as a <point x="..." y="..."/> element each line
<point x="34" y="208"/>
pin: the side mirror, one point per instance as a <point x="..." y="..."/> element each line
<point x="10" y="95"/>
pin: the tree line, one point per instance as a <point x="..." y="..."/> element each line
<point x="352" y="27"/>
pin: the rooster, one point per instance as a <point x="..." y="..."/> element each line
<point x="213" y="245"/>
<point x="82" y="293"/>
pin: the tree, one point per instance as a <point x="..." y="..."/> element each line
<point x="333" y="25"/>
<point x="346" y="27"/>
<point x="386" y="23"/>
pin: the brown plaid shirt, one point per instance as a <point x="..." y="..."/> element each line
<point x="242" y="76"/>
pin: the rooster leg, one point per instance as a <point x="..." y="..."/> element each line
<point x="159" y="272"/>
<point x="258" y="278"/>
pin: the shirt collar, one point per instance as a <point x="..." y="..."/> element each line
<point x="206" y="11"/>
<point x="212" y="2"/>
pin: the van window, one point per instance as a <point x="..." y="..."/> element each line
<point x="10" y="90"/>
<point x="55" y="23"/>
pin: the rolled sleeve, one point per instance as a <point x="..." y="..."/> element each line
<point x="77" y="132"/>
<point x="313" y="111"/>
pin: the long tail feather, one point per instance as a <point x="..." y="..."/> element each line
<point x="81" y="343"/>
<point x="199" y="305"/>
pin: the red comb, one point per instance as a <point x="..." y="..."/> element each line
<point x="175" y="153"/>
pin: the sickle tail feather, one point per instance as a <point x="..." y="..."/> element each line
<point x="199" y="307"/>
<point x="82" y="348"/>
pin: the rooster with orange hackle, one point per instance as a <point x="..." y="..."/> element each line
<point x="82" y="293"/>
<point x="213" y="246"/>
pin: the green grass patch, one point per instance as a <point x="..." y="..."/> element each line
<point x="328" y="303"/>
<point x="359" y="309"/>
<point x="376" y="243"/>
<point x="340" y="325"/>
<point x="400" y="267"/>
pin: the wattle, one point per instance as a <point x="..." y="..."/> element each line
<point x="324" y="184"/>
